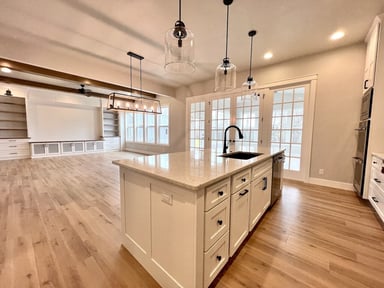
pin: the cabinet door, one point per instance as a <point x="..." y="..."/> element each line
<point x="370" y="59"/>
<point x="260" y="198"/>
<point x="38" y="149"/>
<point x="239" y="218"/>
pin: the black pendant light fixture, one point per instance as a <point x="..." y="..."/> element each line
<point x="225" y="77"/>
<point x="179" y="48"/>
<point x="250" y="83"/>
<point x="135" y="101"/>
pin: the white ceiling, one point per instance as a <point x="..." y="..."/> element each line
<point x="106" y="30"/>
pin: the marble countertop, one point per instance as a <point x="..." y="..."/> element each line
<point x="380" y="155"/>
<point x="191" y="169"/>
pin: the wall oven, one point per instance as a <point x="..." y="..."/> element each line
<point x="361" y="154"/>
<point x="362" y="142"/>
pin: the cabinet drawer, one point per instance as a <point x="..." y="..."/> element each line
<point x="378" y="177"/>
<point x="240" y="180"/>
<point x="216" y="193"/>
<point x="376" y="198"/>
<point x="261" y="168"/>
<point x="215" y="259"/>
<point x="216" y="223"/>
<point x="377" y="162"/>
<point x="13" y="146"/>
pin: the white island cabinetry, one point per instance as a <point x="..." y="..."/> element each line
<point x="179" y="216"/>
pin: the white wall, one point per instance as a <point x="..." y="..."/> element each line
<point x="58" y="116"/>
<point x="337" y="107"/>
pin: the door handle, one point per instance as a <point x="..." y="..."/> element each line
<point x="265" y="180"/>
<point x="365" y="84"/>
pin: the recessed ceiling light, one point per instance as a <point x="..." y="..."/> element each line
<point x="268" y="55"/>
<point x="5" y="70"/>
<point x="337" y="35"/>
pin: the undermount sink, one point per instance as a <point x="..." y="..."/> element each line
<point x="241" y="155"/>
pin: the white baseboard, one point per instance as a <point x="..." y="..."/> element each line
<point x="330" y="183"/>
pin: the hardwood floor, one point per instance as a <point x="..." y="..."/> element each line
<point x="60" y="227"/>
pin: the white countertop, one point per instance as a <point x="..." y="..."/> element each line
<point x="191" y="169"/>
<point x="380" y="155"/>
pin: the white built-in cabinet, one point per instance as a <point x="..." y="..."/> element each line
<point x="371" y="40"/>
<point x="185" y="237"/>
<point x="14" y="149"/>
<point x="376" y="131"/>
<point x="48" y="149"/>
<point x="376" y="185"/>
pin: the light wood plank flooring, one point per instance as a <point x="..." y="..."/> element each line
<point x="60" y="225"/>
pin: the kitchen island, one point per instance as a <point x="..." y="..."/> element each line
<point x="184" y="214"/>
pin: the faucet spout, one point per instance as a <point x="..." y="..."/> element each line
<point x="225" y="146"/>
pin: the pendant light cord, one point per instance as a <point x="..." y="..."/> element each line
<point x="130" y="73"/>
<point x="179" y="10"/>
<point x="141" y="80"/>
<point x="250" y="58"/>
<point x="226" y="35"/>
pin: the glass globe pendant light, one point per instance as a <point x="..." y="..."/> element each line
<point x="225" y="76"/>
<point x="179" y="48"/>
<point x="250" y="83"/>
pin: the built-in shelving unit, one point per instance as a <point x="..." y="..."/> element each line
<point x="13" y="119"/>
<point x="110" y="123"/>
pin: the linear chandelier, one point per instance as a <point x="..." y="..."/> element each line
<point x="133" y="102"/>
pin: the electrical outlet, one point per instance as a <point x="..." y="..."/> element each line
<point x="321" y="171"/>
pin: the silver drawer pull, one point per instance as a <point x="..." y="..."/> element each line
<point x="375" y="199"/>
<point x="377" y="180"/>
<point x="13" y="153"/>
<point x="13" y="146"/>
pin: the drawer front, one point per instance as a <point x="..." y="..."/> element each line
<point x="378" y="177"/>
<point x="240" y="180"/>
<point x="377" y="162"/>
<point x="13" y="146"/>
<point x="215" y="259"/>
<point x="216" y="223"/>
<point x="12" y="141"/>
<point x="376" y="198"/>
<point x="216" y="193"/>
<point x="261" y="168"/>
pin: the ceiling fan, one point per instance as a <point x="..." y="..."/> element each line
<point x="84" y="91"/>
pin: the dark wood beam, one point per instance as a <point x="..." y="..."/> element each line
<point x="30" y="83"/>
<point x="27" y="68"/>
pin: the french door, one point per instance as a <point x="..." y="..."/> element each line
<point x="276" y="118"/>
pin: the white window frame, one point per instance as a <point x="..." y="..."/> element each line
<point x="157" y="140"/>
<point x="265" y="118"/>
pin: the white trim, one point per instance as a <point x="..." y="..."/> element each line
<point x="330" y="183"/>
<point x="294" y="81"/>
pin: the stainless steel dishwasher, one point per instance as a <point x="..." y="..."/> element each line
<point x="277" y="177"/>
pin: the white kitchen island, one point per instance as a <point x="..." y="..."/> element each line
<point x="184" y="214"/>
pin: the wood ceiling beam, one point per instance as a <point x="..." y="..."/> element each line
<point x="27" y="68"/>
